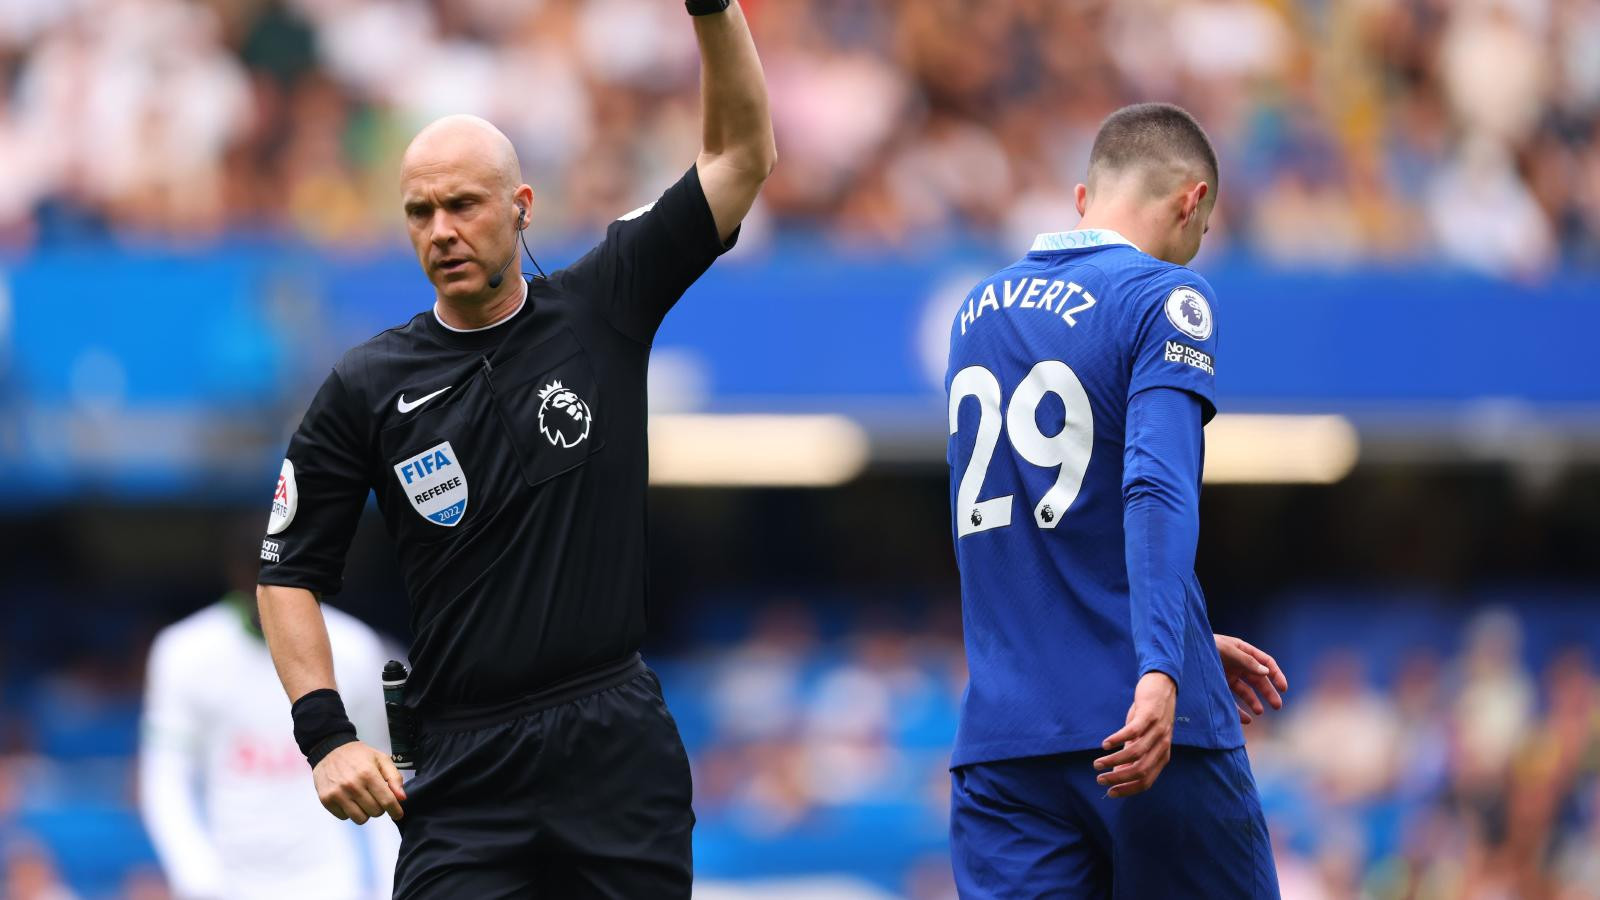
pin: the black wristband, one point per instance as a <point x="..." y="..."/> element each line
<point x="705" y="7"/>
<point x="320" y="724"/>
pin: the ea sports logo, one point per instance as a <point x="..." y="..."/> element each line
<point x="563" y="416"/>
<point x="1189" y="312"/>
<point x="285" y="500"/>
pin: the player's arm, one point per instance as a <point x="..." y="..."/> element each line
<point x="1252" y="675"/>
<point x="317" y="503"/>
<point x="737" y="148"/>
<point x="170" y="737"/>
<point x="1171" y="395"/>
<point x="1161" y="519"/>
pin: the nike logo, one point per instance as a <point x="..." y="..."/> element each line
<point x="407" y="406"/>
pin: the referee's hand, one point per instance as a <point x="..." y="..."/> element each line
<point x="358" y="783"/>
<point x="1145" y="741"/>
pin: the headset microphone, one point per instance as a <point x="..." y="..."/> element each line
<point x="499" y="277"/>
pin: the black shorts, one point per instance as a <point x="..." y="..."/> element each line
<point x="582" y="791"/>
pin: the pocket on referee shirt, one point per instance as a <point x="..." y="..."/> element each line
<point x="549" y="405"/>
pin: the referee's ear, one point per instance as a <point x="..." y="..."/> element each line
<point x="522" y="201"/>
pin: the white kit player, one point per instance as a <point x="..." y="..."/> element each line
<point x="224" y="791"/>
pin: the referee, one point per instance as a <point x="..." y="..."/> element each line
<point x="503" y="432"/>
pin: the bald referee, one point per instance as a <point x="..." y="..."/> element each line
<point x="503" y="432"/>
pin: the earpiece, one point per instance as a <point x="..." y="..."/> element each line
<point x="499" y="277"/>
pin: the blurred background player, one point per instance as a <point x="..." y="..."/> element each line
<point x="223" y="789"/>
<point x="1093" y="357"/>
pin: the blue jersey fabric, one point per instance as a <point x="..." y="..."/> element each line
<point x="1045" y="358"/>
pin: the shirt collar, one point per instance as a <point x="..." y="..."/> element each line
<point x="1078" y="239"/>
<point x="495" y="324"/>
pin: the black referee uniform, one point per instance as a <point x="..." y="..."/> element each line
<point x="510" y="467"/>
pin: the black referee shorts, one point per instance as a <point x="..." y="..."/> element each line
<point x="582" y="791"/>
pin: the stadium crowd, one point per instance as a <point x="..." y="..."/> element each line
<point x="820" y="738"/>
<point x="1466" y="131"/>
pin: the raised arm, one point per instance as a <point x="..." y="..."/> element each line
<point x="737" y="149"/>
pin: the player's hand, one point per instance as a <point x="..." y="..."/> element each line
<point x="358" y="782"/>
<point x="1252" y="674"/>
<point x="1146" y="739"/>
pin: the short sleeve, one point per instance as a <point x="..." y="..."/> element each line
<point x="1176" y="339"/>
<point x="318" y="497"/>
<point x="650" y="257"/>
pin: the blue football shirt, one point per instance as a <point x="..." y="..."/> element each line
<point x="1044" y="357"/>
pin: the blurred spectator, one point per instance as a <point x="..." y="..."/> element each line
<point x="1494" y="706"/>
<point x="1344" y="733"/>
<point x="30" y="874"/>
<point x="1348" y="131"/>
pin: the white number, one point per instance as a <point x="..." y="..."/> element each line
<point x="972" y="515"/>
<point x="1068" y="448"/>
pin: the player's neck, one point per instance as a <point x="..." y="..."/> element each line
<point x="1136" y="228"/>
<point x="473" y="315"/>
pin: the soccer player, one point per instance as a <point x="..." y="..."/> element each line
<point x="213" y="720"/>
<point x="503" y="432"/>
<point x="1079" y="380"/>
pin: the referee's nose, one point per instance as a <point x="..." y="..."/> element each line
<point x="442" y="230"/>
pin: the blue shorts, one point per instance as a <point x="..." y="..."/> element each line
<point x="1041" y="826"/>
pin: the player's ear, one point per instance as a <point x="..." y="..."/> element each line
<point x="1080" y="196"/>
<point x="1189" y="206"/>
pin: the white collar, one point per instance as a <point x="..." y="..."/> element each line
<point x="1078" y="239"/>
<point x="497" y="322"/>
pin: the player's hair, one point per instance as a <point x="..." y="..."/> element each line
<point x="1159" y="138"/>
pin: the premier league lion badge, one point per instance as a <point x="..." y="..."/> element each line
<point x="1189" y="312"/>
<point x="563" y="416"/>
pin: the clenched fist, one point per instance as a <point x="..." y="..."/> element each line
<point x="358" y="782"/>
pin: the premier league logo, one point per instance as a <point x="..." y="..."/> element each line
<point x="1189" y="312"/>
<point x="563" y="416"/>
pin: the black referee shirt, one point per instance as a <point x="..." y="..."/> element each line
<point x="509" y="463"/>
